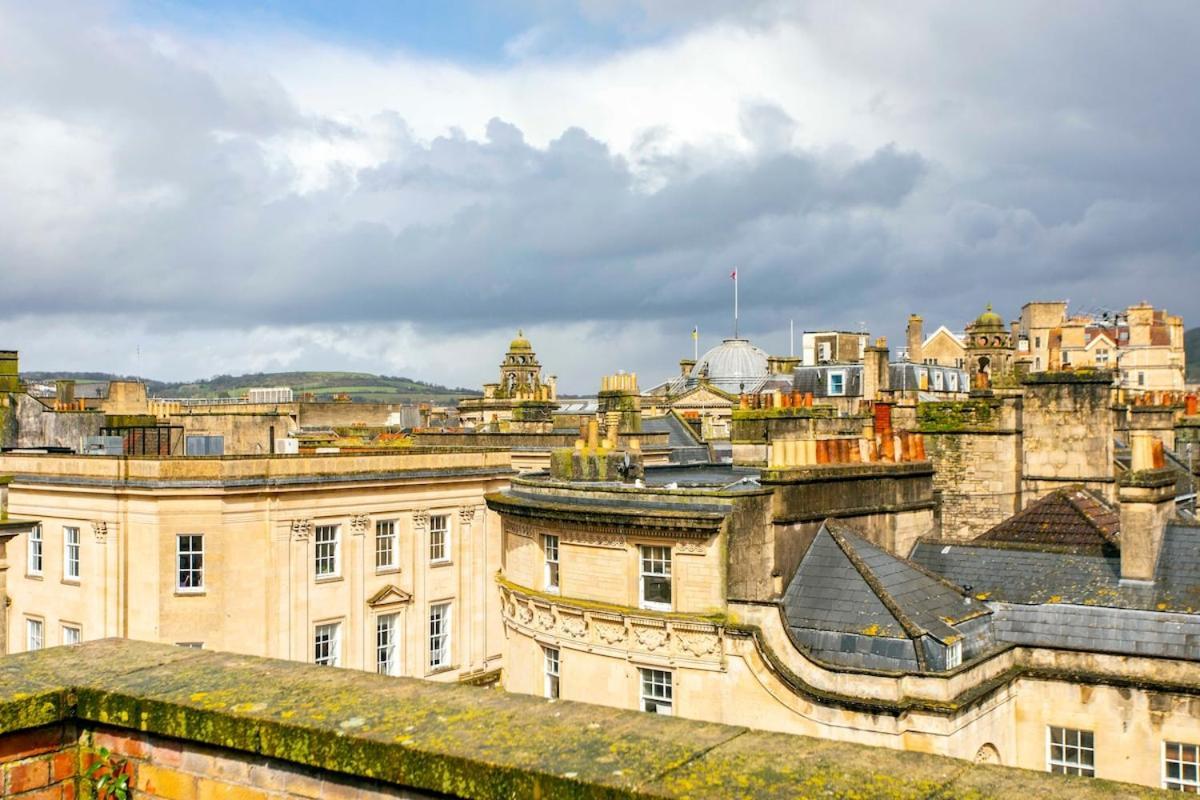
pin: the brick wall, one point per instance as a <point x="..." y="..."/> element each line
<point x="50" y="763"/>
<point x="40" y="764"/>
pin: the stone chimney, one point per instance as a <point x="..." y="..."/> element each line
<point x="685" y="366"/>
<point x="10" y="375"/>
<point x="1147" y="498"/>
<point x="915" y="337"/>
<point x="876" y="377"/>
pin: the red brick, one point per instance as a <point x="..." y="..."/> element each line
<point x="63" y="765"/>
<point x="16" y="746"/>
<point x="28" y="775"/>
<point x="167" y="753"/>
<point x="49" y="793"/>
<point x="132" y="746"/>
<point x="68" y="790"/>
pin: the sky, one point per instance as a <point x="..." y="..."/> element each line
<point x="201" y="187"/>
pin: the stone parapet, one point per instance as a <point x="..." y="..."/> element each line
<point x="186" y="723"/>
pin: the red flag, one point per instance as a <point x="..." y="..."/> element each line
<point x="733" y="274"/>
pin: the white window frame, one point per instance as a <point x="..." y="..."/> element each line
<point x="954" y="654"/>
<point x="939" y="380"/>
<point x="327" y="562"/>
<point x="35" y="634"/>
<point x="551" y="664"/>
<point x="952" y="381"/>
<point x="71" y="553"/>
<point x="438" y="642"/>
<point x="387" y="644"/>
<point x="387" y="545"/>
<point x="1072" y="742"/>
<point x="551" y="571"/>
<point x="656" y="691"/>
<point x="841" y="375"/>
<point x="35" y="555"/>
<point x="327" y="644"/>
<point x="658" y="559"/>
<point x="1180" y="783"/>
<point x="194" y="568"/>
<point x="439" y="539"/>
<point x="76" y="632"/>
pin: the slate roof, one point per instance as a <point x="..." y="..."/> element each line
<point x="845" y="583"/>
<point x="686" y="447"/>
<point x="1010" y="574"/>
<point x="1069" y="517"/>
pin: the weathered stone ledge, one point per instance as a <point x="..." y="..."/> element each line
<point x="467" y="741"/>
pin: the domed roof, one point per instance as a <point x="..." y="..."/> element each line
<point x="989" y="319"/>
<point x="520" y="343"/>
<point x="732" y="364"/>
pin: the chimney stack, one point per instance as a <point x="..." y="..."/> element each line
<point x="915" y="334"/>
<point x="1147" y="499"/>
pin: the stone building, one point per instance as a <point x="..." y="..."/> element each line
<point x="818" y="599"/>
<point x="382" y="562"/>
<point x="520" y="401"/>
<point x="1141" y="344"/>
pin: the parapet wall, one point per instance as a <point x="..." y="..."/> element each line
<point x="198" y="724"/>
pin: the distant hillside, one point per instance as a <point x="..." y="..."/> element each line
<point x="361" y="386"/>
<point x="1191" y="345"/>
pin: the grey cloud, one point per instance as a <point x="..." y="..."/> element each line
<point x="1062" y="167"/>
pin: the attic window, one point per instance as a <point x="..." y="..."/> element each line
<point x="837" y="383"/>
<point x="954" y="655"/>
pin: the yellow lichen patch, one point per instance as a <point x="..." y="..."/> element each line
<point x="983" y="595"/>
<point x="196" y="697"/>
<point x="1055" y="598"/>
<point x="870" y="630"/>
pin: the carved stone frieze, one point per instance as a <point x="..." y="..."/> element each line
<point x="466" y="514"/>
<point x="697" y="547"/>
<point x="359" y="523"/>
<point x="100" y="530"/>
<point x="420" y="519"/>
<point x="301" y="529"/>
<point x="594" y="538"/>
<point x="610" y="631"/>
<point x="696" y="643"/>
<point x="573" y="625"/>
<point x="653" y="638"/>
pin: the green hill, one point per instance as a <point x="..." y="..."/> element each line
<point x="361" y="386"/>
<point x="1191" y="346"/>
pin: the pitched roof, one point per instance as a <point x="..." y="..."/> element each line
<point x="1007" y="575"/>
<point x="845" y="583"/>
<point x="1070" y="517"/>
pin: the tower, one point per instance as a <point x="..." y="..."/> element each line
<point x="520" y="373"/>
<point x="989" y="349"/>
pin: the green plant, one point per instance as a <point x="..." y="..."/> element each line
<point x="111" y="776"/>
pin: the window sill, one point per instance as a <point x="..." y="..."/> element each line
<point x="327" y="578"/>
<point x="443" y="563"/>
<point x="386" y="570"/>
<point x="70" y="581"/>
<point x="190" y="592"/>
<point x="439" y="670"/>
<point x="35" y="576"/>
<point x="656" y="607"/>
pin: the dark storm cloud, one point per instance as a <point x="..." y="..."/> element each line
<point x="1053" y="153"/>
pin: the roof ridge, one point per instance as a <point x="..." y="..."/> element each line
<point x="876" y="586"/>
<point x="1069" y="495"/>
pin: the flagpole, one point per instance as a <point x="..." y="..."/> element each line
<point x="735" y="305"/>
<point x="696" y="343"/>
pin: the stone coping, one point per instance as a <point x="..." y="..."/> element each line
<point x="470" y="741"/>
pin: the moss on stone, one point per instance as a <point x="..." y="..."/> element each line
<point x="958" y="415"/>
